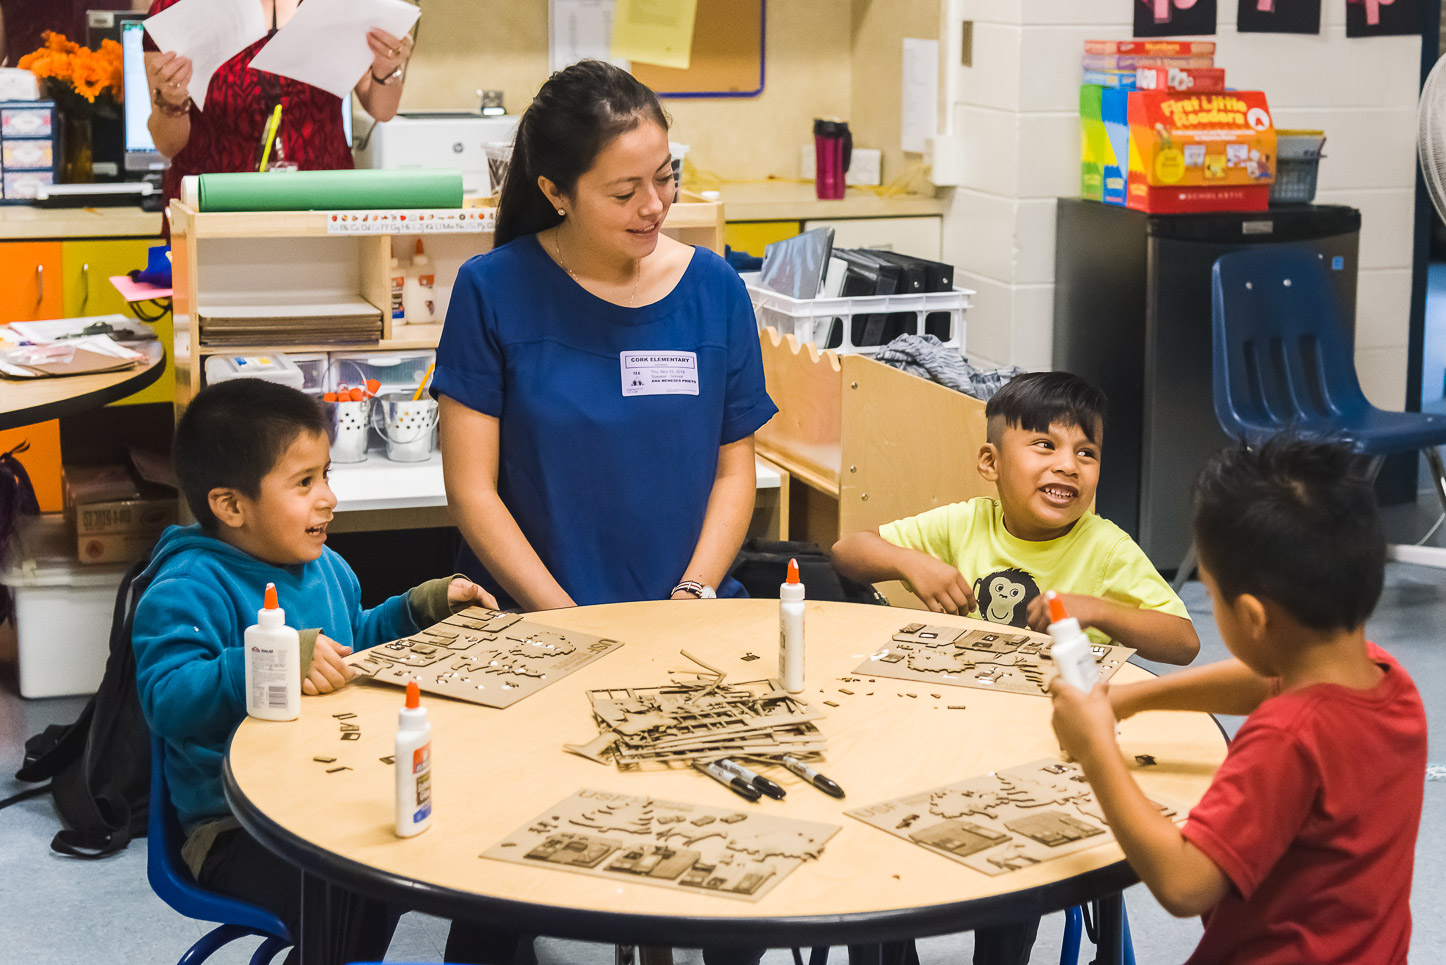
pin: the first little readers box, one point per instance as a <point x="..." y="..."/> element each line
<point x="1199" y="152"/>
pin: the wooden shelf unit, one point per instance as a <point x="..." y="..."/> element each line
<point x="287" y="258"/>
<point x="864" y="443"/>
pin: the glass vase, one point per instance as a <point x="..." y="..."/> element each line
<point x="77" y="155"/>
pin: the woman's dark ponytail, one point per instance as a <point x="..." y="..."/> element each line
<point x="578" y="111"/>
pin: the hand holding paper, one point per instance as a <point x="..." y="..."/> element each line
<point x="209" y="32"/>
<point x="325" y="42"/>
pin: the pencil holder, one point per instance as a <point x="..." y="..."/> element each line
<point x="407" y="425"/>
<point x="346" y="427"/>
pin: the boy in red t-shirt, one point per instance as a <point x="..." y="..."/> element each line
<point x="1302" y="848"/>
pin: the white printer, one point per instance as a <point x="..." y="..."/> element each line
<point x="431" y="139"/>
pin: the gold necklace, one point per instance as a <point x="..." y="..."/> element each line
<point x="637" y="271"/>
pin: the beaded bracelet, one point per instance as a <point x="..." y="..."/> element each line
<point x="169" y="109"/>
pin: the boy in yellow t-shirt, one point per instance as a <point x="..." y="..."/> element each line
<point x="993" y="558"/>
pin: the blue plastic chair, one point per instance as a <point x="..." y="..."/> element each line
<point x="172" y="882"/>
<point x="1282" y="362"/>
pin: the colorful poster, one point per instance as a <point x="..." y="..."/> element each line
<point x="1278" y="17"/>
<point x="1385" y="18"/>
<point x="1173" y="18"/>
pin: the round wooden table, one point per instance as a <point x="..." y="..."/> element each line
<point x="496" y="770"/>
<point x="24" y="402"/>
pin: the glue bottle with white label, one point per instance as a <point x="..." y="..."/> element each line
<point x="1073" y="654"/>
<point x="273" y="664"/>
<point x="419" y="303"/>
<point x="413" y="764"/>
<point x="790" y="631"/>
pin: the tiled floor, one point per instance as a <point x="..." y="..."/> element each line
<point x="61" y="910"/>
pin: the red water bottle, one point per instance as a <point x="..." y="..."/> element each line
<point x="833" y="148"/>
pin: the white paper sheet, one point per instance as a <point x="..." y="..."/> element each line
<point x="210" y="32"/>
<point x="919" y="112"/>
<point x="580" y="30"/>
<point x="324" y="44"/>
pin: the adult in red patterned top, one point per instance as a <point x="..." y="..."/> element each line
<point x="227" y="135"/>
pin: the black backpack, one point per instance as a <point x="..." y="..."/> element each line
<point x="762" y="564"/>
<point x="100" y="766"/>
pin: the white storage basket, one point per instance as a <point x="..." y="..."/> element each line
<point x="863" y="324"/>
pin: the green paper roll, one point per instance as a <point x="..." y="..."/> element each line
<point x="331" y="190"/>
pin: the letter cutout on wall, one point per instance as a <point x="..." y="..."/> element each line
<point x="1174" y="18"/>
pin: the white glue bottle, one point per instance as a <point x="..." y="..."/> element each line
<point x="1073" y="654"/>
<point x="413" y="764"/>
<point x="418" y="299"/>
<point x="273" y="664"/>
<point x="790" y="631"/>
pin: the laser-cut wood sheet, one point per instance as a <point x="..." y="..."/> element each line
<point x="482" y="656"/>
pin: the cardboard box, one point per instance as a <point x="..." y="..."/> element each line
<point x="115" y="547"/>
<point x="1199" y="152"/>
<point x="1131" y="61"/>
<point x="1196" y="80"/>
<point x="1158" y="48"/>
<point x="116" y="516"/>
<point x="125" y="516"/>
<point x="1105" y="137"/>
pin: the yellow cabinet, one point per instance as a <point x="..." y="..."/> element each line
<point x="86" y="268"/>
<point x="754" y="236"/>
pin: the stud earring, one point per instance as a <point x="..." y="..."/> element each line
<point x="561" y="213"/>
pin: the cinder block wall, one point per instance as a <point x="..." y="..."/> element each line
<point x="1017" y="110"/>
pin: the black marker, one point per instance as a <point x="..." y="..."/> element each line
<point x="812" y="776"/>
<point x="753" y="777"/>
<point x="730" y="780"/>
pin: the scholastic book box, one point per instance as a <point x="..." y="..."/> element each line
<point x="1199" y="152"/>
<point x="1105" y="133"/>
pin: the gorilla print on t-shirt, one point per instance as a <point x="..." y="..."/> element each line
<point x="1003" y="596"/>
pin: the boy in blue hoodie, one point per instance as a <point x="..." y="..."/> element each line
<point x="252" y="460"/>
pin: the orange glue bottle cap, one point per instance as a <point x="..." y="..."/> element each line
<point x="793" y="571"/>
<point x="1057" y="611"/>
<point x="414" y="695"/>
<point x="271" y="603"/>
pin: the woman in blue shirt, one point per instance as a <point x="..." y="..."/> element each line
<point x="599" y="382"/>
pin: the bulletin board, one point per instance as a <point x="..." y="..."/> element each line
<point x="726" y="58"/>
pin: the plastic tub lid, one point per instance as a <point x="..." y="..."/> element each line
<point x="43" y="554"/>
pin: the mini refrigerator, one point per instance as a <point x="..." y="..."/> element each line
<point x="1132" y="316"/>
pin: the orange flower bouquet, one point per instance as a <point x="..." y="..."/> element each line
<point x="84" y="84"/>
<point x="64" y="67"/>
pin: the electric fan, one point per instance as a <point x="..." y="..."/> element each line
<point x="1431" y="150"/>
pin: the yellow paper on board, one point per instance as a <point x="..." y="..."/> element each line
<point x="654" y="31"/>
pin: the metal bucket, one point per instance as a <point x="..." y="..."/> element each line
<point x="408" y="426"/>
<point x="346" y="426"/>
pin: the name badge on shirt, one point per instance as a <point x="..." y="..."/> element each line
<point x="659" y="373"/>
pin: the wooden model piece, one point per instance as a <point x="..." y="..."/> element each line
<point x="483" y="656"/>
<point x="1007" y="659"/>
<point x="1002" y="821"/>
<point x="699" y="718"/>
<point x="624" y="837"/>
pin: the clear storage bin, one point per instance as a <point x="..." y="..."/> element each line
<point x="275" y="367"/>
<point x="863" y="324"/>
<point x="313" y="366"/>
<point x="396" y="371"/>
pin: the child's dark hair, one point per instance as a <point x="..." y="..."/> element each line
<point x="1293" y="521"/>
<point x="578" y="111"/>
<point x="1035" y="401"/>
<point x="233" y="433"/>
